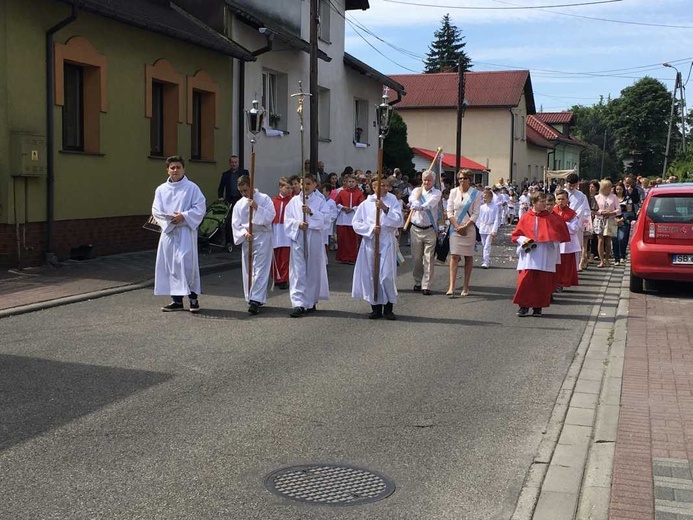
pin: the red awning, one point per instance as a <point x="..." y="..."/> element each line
<point x="449" y="159"/>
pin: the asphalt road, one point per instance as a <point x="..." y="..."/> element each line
<point x="111" y="409"/>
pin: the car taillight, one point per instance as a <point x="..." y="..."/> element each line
<point x="649" y="230"/>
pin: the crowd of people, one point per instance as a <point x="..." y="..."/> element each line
<point x="562" y="227"/>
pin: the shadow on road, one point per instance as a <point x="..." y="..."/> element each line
<point x="37" y="395"/>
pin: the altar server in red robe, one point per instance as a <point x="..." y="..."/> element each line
<point x="538" y="235"/>
<point x="566" y="271"/>
<point x="347" y="201"/>
<point x="281" y="241"/>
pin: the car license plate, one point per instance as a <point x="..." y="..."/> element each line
<point x="682" y="259"/>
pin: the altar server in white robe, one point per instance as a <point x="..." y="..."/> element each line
<point x="260" y="240"/>
<point x="178" y="207"/>
<point x="307" y="269"/>
<point x="364" y="224"/>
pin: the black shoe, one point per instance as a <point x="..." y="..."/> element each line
<point x="426" y="292"/>
<point x="389" y="315"/>
<point x="312" y="309"/>
<point x="376" y="312"/>
<point x="253" y="308"/>
<point x="297" y="312"/>
<point x="417" y="287"/>
<point x="173" y="306"/>
<point x="536" y="311"/>
<point x="559" y="289"/>
<point x="194" y="306"/>
<point x="523" y="311"/>
<point x="283" y="285"/>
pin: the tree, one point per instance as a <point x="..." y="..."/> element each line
<point x="639" y="121"/>
<point x="446" y="50"/>
<point x="396" y="151"/>
<point x="591" y="126"/>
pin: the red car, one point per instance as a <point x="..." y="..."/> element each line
<point x="661" y="246"/>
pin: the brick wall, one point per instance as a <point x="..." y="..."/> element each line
<point x="108" y="236"/>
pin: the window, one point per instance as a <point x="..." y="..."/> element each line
<point x="157" y="123"/>
<point x="196" y="127"/>
<point x="523" y="128"/>
<point x="324" y="15"/>
<point x="73" y="109"/>
<point x="323" y="113"/>
<point x="202" y="115"/>
<point x="163" y="107"/>
<point x="80" y="89"/>
<point x="274" y="99"/>
<point x="361" y="121"/>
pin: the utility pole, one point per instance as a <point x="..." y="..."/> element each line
<point x="677" y="82"/>
<point x="460" y="114"/>
<point x="313" y="87"/>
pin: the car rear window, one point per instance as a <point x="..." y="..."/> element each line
<point x="672" y="208"/>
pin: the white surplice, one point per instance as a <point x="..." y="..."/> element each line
<point x="177" y="264"/>
<point x="329" y="228"/>
<point x="263" y="251"/>
<point x="364" y="225"/>
<point x="307" y="276"/>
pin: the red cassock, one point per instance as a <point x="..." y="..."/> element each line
<point x="534" y="287"/>
<point x="347" y="240"/>
<point x="566" y="271"/>
<point x="280" y="269"/>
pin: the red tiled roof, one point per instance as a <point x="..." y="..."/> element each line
<point x="536" y="139"/>
<point x="548" y="132"/>
<point x="554" y="118"/>
<point x="449" y="159"/>
<point x="482" y="89"/>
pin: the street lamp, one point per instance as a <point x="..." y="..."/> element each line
<point x="677" y="82"/>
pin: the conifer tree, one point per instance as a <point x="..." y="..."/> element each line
<point x="446" y="50"/>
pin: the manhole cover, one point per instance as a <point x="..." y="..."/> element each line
<point x="329" y="484"/>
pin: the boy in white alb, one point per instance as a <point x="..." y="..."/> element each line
<point x="178" y="207"/>
<point x="254" y="286"/>
<point x="488" y="223"/>
<point x="307" y="265"/>
<point x="334" y="211"/>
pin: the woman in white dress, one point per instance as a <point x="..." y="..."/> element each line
<point x="463" y="211"/>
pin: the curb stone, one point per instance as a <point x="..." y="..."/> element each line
<point x="571" y="472"/>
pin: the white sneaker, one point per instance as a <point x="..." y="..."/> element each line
<point x="485" y="266"/>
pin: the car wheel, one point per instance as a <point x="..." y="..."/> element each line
<point x="636" y="284"/>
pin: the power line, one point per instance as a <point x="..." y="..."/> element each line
<point x="474" y="8"/>
<point x="376" y="50"/>
<point x="603" y="19"/>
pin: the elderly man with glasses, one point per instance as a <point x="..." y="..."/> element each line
<point x="423" y="202"/>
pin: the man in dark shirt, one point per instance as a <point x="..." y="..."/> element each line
<point x="228" y="190"/>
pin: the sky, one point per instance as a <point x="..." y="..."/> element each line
<point x="574" y="54"/>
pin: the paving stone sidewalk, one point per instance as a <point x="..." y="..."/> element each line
<point x="652" y="477"/>
<point x="29" y="287"/>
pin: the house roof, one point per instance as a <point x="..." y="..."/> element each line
<point x="257" y="20"/>
<point x="555" y="117"/>
<point x="449" y="159"/>
<point x="536" y="139"/>
<point x="546" y="131"/>
<point x="167" y="19"/>
<point x="492" y="89"/>
<point x="370" y="72"/>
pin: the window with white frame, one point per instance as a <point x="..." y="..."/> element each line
<point x="323" y="113"/>
<point x="361" y="120"/>
<point x="274" y="99"/>
<point x="324" y="15"/>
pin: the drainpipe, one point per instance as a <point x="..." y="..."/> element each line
<point x="50" y="133"/>
<point x="241" y="92"/>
